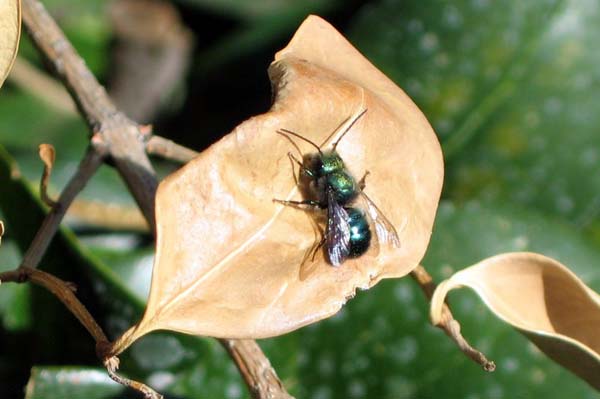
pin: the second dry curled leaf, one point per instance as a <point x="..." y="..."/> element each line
<point x="229" y="260"/>
<point x="541" y="298"/>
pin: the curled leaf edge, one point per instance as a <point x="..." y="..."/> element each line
<point x="454" y="282"/>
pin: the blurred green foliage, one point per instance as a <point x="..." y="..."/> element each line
<point x="509" y="88"/>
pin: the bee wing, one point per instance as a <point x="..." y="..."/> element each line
<point x="384" y="229"/>
<point x="337" y="235"/>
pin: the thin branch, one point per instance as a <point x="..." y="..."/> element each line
<point x="168" y="149"/>
<point x="88" y="166"/>
<point x="65" y="292"/>
<point x="122" y="137"/>
<point x="125" y="144"/>
<point x="448" y="324"/>
<point x="112" y="365"/>
<point x="256" y="369"/>
<point x="62" y="290"/>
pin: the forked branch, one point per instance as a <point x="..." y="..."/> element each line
<point x="125" y="144"/>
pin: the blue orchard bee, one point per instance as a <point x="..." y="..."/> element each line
<point x="352" y="217"/>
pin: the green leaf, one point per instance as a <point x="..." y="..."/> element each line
<point x="15" y="299"/>
<point x="464" y="235"/>
<point x="510" y="87"/>
<point x="49" y="382"/>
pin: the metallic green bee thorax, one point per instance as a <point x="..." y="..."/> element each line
<point x="344" y="187"/>
<point x="331" y="162"/>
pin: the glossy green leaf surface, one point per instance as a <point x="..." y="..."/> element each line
<point x="70" y="382"/>
<point x="511" y="90"/>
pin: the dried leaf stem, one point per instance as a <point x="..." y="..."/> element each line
<point x="448" y="324"/>
<point x="125" y="145"/>
<point x="112" y="365"/>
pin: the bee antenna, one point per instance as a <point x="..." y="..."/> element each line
<point x="285" y="132"/>
<point x="290" y="140"/>
<point x="349" y="127"/>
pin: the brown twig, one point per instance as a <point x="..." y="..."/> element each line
<point x="168" y="149"/>
<point x="65" y="293"/>
<point x="121" y="135"/>
<point x="448" y="324"/>
<point x="126" y="147"/>
<point x="256" y="369"/>
<point x="88" y="166"/>
<point x="112" y="365"/>
<point x="62" y="290"/>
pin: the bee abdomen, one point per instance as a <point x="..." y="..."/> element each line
<point x="360" y="234"/>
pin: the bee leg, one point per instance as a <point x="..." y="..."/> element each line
<point x="362" y="183"/>
<point x="306" y="204"/>
<point x="292" y="159"/>
<point x="317" y="247"/>
<point x="303" y="170"/>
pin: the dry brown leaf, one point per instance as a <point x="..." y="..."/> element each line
<point x="10" y="28"/>
<point x="48" y="156"/>
<point x="542" y="299"/>
<point x="228" y="260"/>
<point x="1" y="230"/>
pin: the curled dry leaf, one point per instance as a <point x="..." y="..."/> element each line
<point x="1" y="230"/>
<point x="48" y="156"/>
<point x="10" y="28"/>
<point x="542" y="299"/>
<point x="229" y="259"/>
